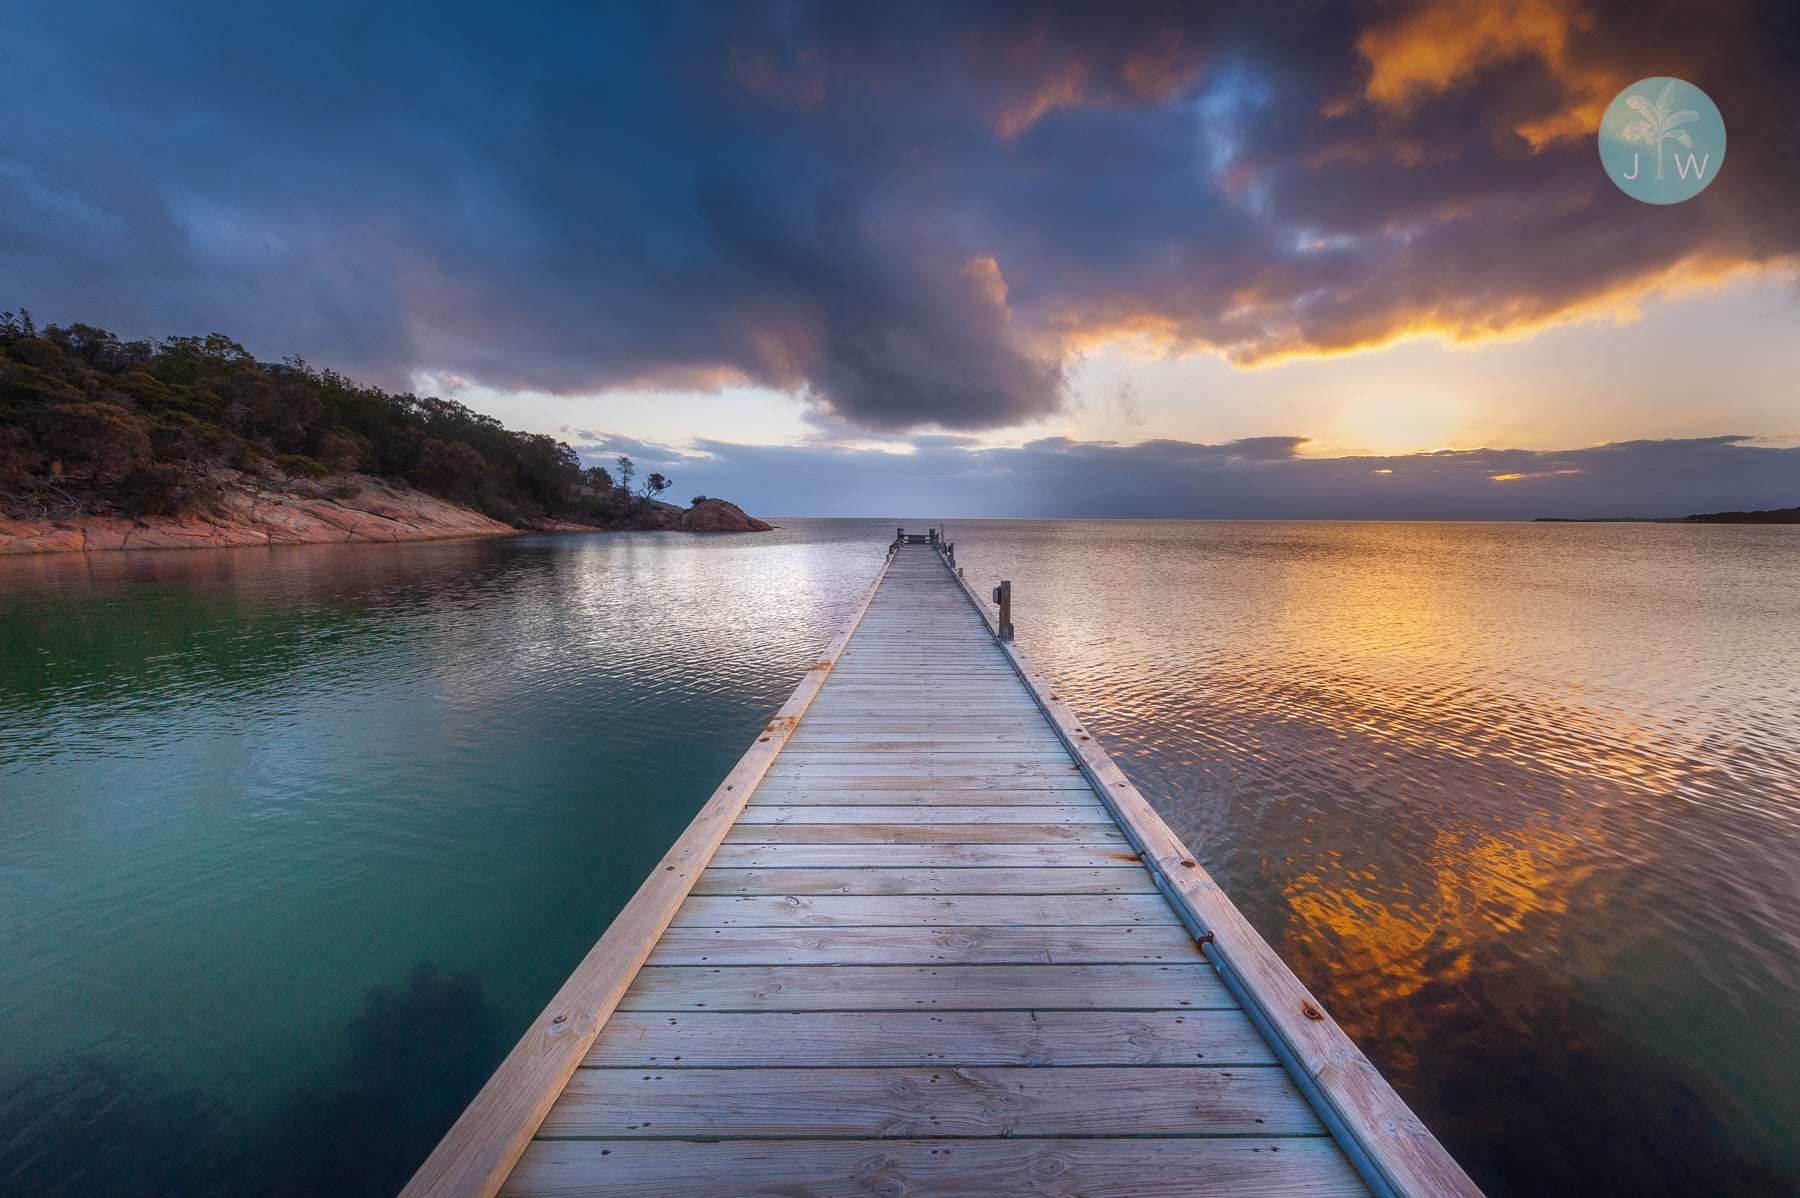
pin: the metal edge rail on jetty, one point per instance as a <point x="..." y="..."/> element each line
<point x="843" y="1132"/>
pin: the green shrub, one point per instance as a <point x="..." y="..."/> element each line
<point x="163" y="490"/>
<point x="298" y="465"/>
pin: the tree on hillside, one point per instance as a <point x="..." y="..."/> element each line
<point x="16" y="326"/>
<point x="450" y="469"/>
<point x="86" y="416"/>
<point x="544" y="468"/>
<point x="19" y="457"/>
<point x="103" y="437"/>
<point x="341" y="451"/>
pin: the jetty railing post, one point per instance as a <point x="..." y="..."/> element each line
<point x="1003" y="596"/>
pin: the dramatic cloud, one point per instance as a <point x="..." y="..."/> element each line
<point x="1257" y="478"/>
<point x="911" y="216"/>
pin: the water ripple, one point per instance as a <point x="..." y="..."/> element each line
<point x="1521" y="802"/>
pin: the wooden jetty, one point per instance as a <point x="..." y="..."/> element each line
<point x="927" y="939"/>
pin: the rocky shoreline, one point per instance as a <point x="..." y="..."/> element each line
<point x="342" y="509"/>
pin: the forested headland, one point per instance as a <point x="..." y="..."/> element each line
<point x="92" y="425"/>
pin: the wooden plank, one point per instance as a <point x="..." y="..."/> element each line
<point x="947" y="711"/>
<point x="922" y="946"/>
<point x="1087" y="810"/>
<point x="926" y="987"/>
<point x="1018" y="708"/>
<point x="937" y="833"/>
<point x="993" y="1168"/>
<point x="1120" y="879"/>
<point x="1012" y="720"/>
<point x="889" y="910"/>
<point x="1386" y="1140"/>
<point x="882" y="741"/>
<point x="889" y="722"/>
<point x="947" y="798"/>
<point x="974" y="675"/>
<point x="822" y="782"/>
<point x="924" y="763"/>
<point x="996" y="682"/>
<point x="924" y="856"/>
<point x="986" y="676"/>
<point x="877" y="1039"/>
<point x="932" y="698"/>
<point x="946" y="739"/>
<point x="960" y="1101"/>
<point x="930" y="757"/>
<point x="805" y="766"/>
<point x="918" y="729"/>
<point x="479" y="1150"/>
<point x="1039" y="736"/>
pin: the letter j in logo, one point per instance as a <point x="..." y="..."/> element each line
<point x="1662" y="140"/>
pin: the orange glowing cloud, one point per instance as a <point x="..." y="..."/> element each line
<point x="1441" y="45"/>
<point x="1069" y="77"/>
<point x="983" y="275"/>
<point x="1263" y="330"/>
<point x="1484" y="319"/>
<point x="1065" y="90"/>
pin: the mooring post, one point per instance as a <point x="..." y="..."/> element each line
<point x="1003" y="596"/>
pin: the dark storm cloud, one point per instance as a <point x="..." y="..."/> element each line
<point x="914" y="216"/>
<point x="1259" y="479"/>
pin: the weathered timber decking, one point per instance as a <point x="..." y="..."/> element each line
<point x="927" y="940"/>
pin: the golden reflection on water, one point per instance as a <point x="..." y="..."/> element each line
<point x="1519" y="802"/>
<point x="1384" y="947"/>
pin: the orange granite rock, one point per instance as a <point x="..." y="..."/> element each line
<point x="717" y="515"/>
<point x="248" y="515"/>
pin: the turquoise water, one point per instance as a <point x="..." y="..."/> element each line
<point x="294" y="842"/>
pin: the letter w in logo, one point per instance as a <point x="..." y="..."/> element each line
<point x="1682" y="168"/>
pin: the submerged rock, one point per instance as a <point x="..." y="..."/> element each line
<point x="716" y="515"/>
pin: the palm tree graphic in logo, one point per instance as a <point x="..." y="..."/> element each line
<point x="1681" y="113"/>
<point x="1657" y="124"/>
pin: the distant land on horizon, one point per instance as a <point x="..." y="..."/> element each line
<point x="1780" y="515"/>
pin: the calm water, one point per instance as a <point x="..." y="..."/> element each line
<point x="294" y="842"/>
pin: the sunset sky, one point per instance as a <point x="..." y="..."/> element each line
<point x="1097" y="259"/>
